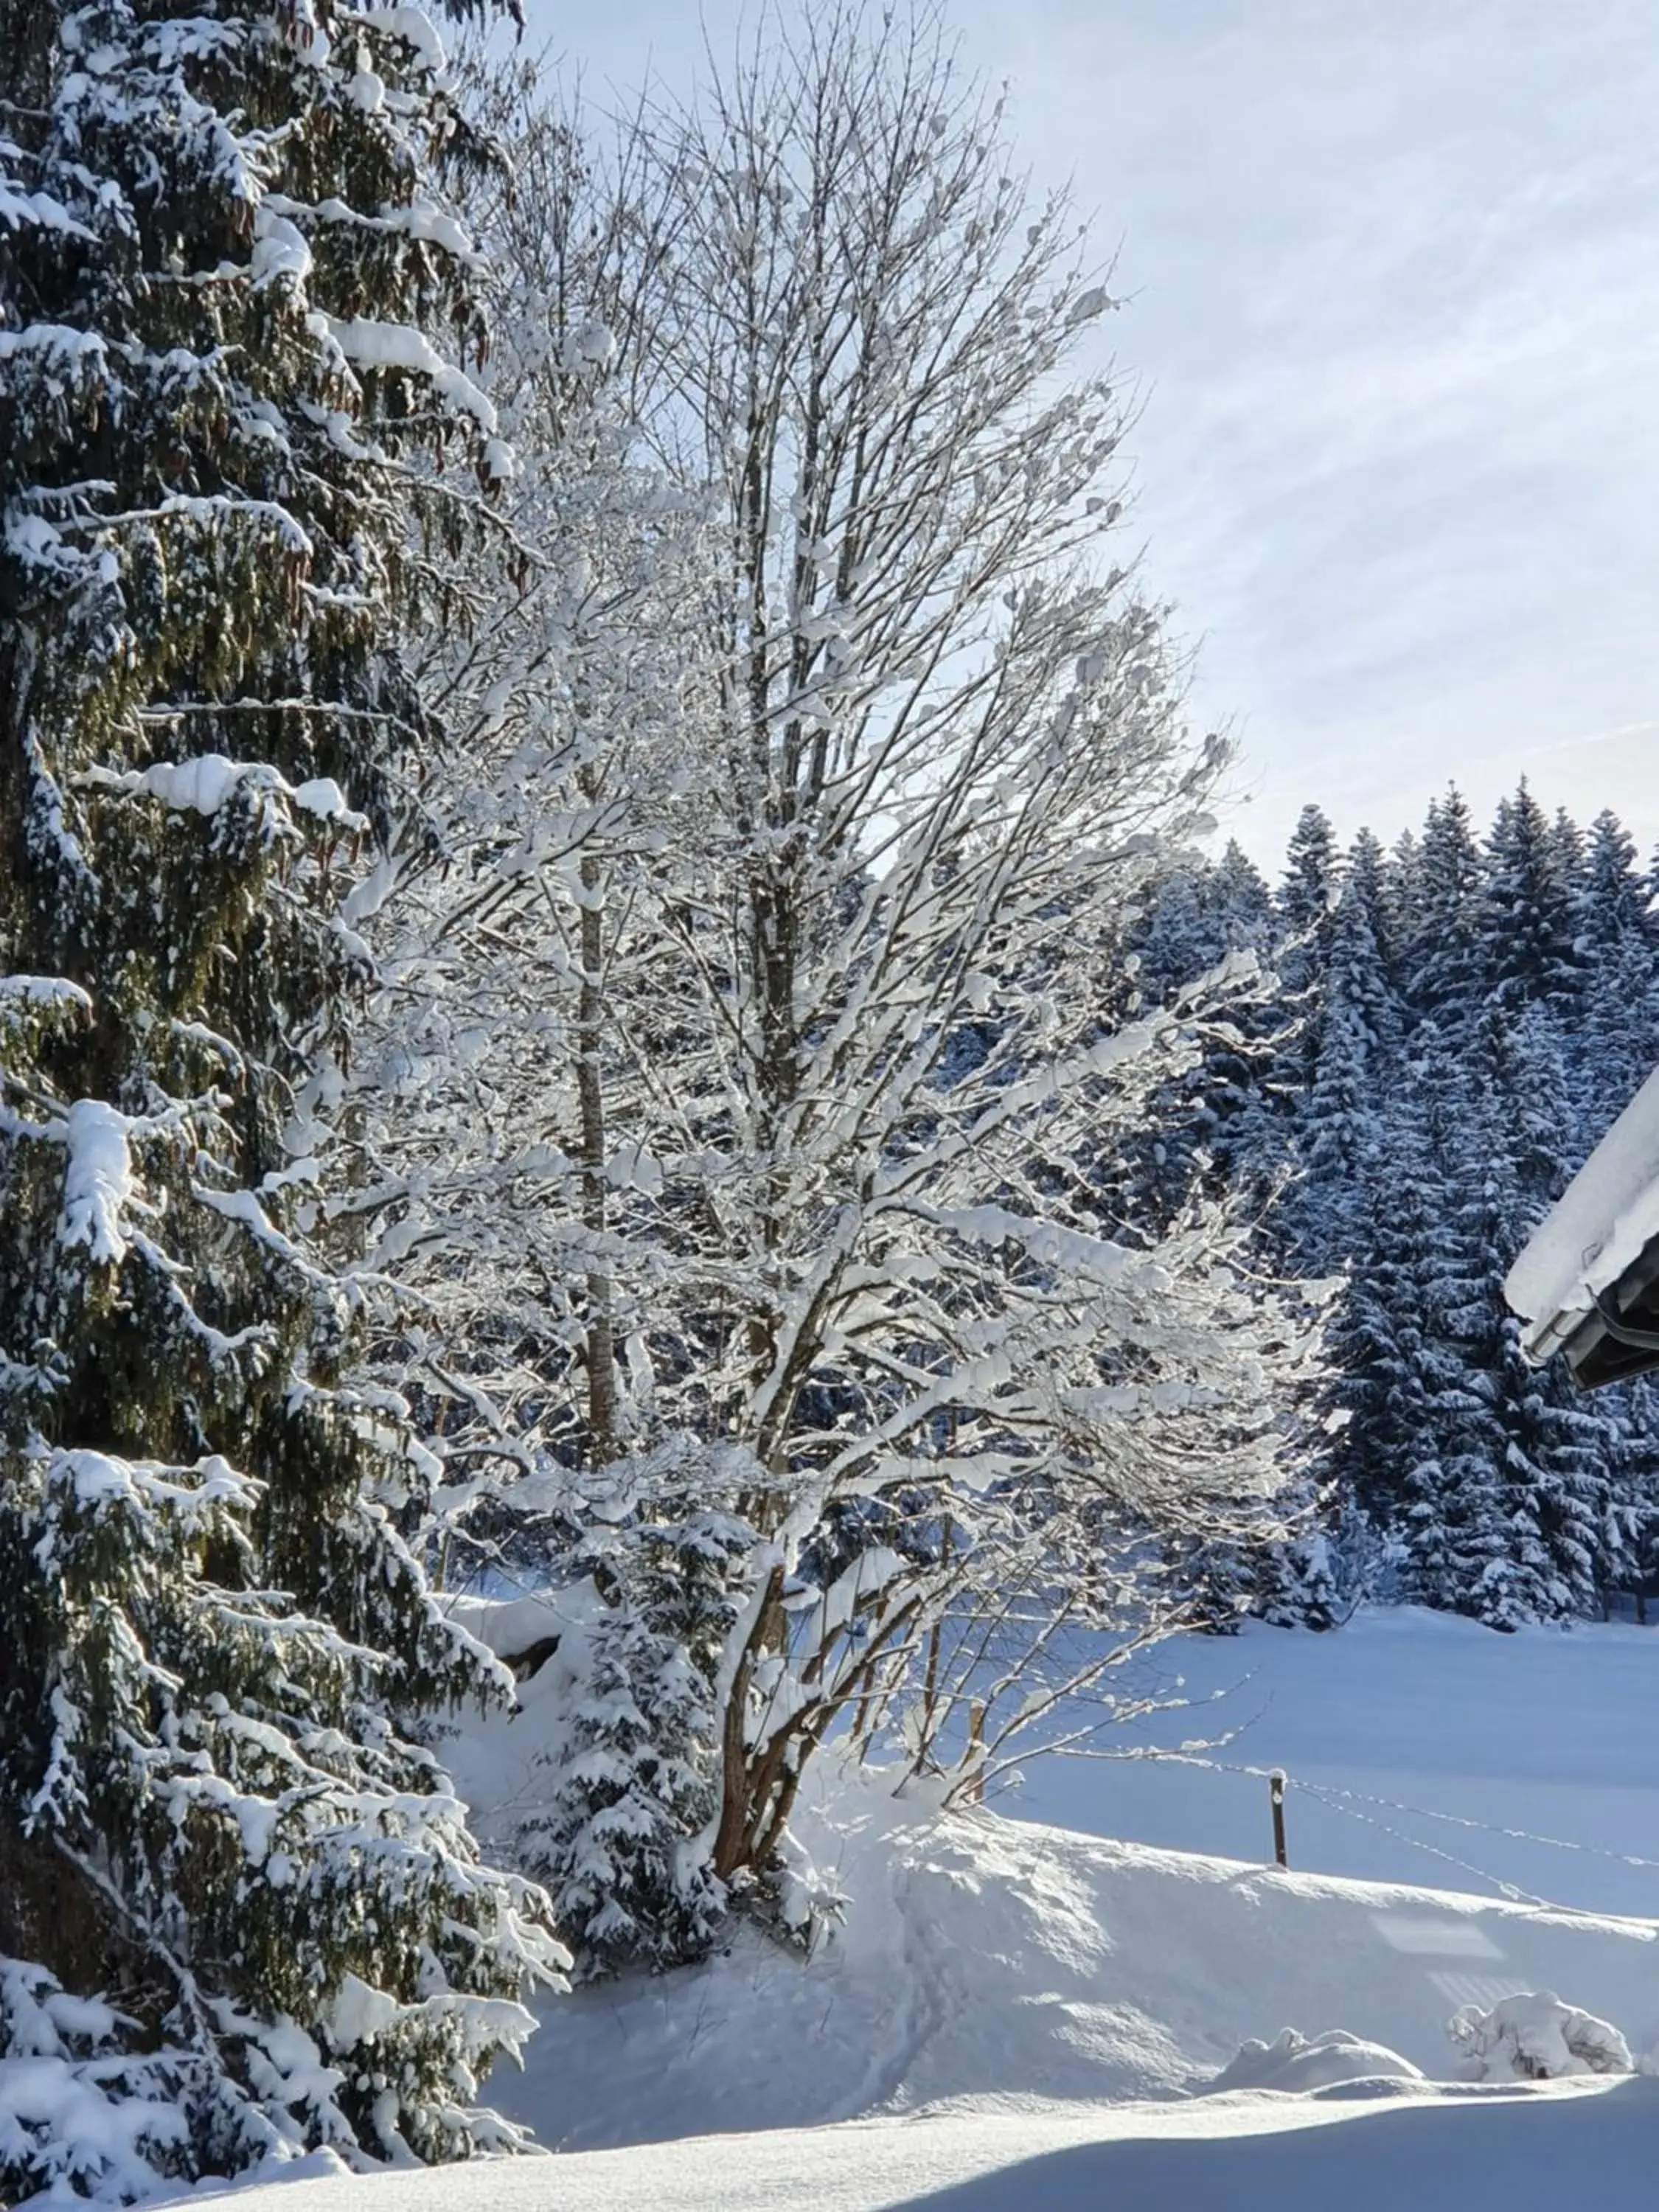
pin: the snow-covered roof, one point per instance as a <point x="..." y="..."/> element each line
<point x="1596" y="1255"/>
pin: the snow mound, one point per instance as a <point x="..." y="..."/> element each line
<point x="1294" y="2065"/>
<point x="992" y="1965"/>
<point x="1533" y="2037"/>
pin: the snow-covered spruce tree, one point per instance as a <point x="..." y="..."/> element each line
<point x="1337" y="1120"/>
<point x="1494" y="1479"/>
<point x="1304" y="908"/>
<point x="1335" y="1124"/>
<point x="1527" y="910"/>
<point x="628" y="1782"/>
<point x="221" y="275"/>
<point x="1564" y="1449"/>
<point x="853" y="1097"/>
<point x="1212" y="1120"/>
<point x="1306" y="900"/>
<point x="1382" y="1337"/>
<point x="1615" y="1038"/>
<point x="1437" y="940"/>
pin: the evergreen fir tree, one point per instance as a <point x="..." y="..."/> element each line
<point x="1356" y="1029"/>
<point x="1616" y="1025"/>
<point x="1179" y="939"/>
<point x="1526" y="910"/>
<point x="1568" y="854"/>
<point x="1367" y="874"/>
<point x="1512" y="1531"/>
<point x="1234" y="1123"/>
<point x="1561" y="1448"/>
<point x="1438" y="949"/>
<point x="1382" y="1337"/>
<point x="220" y="268"/>
<point x="1473" y="1548"/>
<point x="1402" y="891"/>
<point x="634" y="1781"/>
<point x="1313" y="864"/>
<point x="1300" y="1582"/>
<point x="1305" y="910"/>
<point x="1211" y="1122"/>
<point x="1303" y="918"/>
<point x="1241" y="900"/>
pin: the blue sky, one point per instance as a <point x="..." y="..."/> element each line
<point x="1393" y="273"/>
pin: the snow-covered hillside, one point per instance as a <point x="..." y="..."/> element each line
<point x="999" y="1964"/>
<point x="1016" y="2015"/>
<point x="1395" y="1731"/>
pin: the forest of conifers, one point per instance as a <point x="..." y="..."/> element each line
<point x="1452" y="1027"/>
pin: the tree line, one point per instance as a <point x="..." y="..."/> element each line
<point x="1453" y="1027"/>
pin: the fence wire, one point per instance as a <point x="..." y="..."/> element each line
<point x="1349" y="1801"/>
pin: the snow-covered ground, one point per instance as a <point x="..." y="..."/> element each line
<point x="1018" y="2015"/>
<point x="1549" y="1732"/>
<point x="988" y="1961"/>
<point x="1520" y="2150"/>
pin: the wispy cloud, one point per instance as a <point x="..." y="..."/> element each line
<point x="1399" y="311"/>
<point x="1395" y="319"/>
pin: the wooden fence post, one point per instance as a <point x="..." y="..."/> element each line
<point x="1276" y="1791"/>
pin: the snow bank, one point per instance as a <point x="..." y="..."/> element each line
<point x="1292" y="2064"/>
<point x="955" y="2043"/>
<point x="991" y="1960"/>
<point x="991" y="1963"/>
<point x="1526" y="2150"/>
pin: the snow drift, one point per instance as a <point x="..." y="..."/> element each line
<point x="994" y="1964"/>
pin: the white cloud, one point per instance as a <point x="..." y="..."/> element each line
<point x="1394" y="312"/>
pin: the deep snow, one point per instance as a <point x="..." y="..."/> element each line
<point x="1549" y="1732"/>
<point x="1015" y="2016"/>
<point x="1526" y="2150"/>
<point x="998" y="1962"/>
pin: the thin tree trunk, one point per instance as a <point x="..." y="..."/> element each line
<point x="603" y="1420"/>
<point x="734" y="1838"/>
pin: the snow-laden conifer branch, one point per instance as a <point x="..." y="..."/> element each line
<point x="211" y="1614"/>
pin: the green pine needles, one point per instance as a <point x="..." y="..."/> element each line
<point x="230" y="312"/>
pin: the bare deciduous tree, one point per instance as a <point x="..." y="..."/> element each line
<point x="817" y="841"/>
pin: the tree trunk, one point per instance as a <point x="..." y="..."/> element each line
<point x="734" y="1840"/>
<point x="603" y="1423"/>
